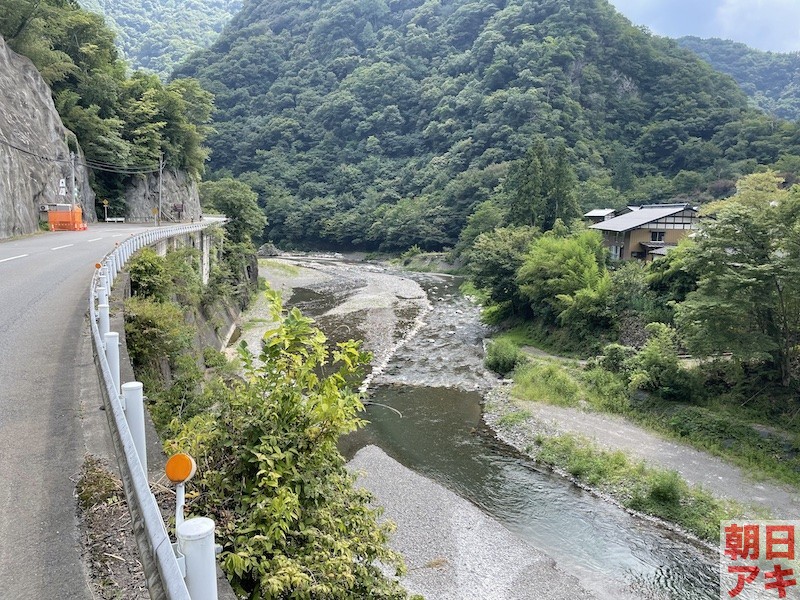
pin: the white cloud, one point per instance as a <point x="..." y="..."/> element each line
<point x="764" y="24"/>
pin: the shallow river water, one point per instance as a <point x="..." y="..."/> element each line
<point x="428" y="366"/>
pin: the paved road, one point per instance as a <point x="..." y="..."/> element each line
<point x="48" y="393"/>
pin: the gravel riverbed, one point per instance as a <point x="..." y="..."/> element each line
<point x="452" y="549"/>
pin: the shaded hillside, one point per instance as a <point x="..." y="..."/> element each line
<point x="771" y="79"/>
<point x="375" y="122"/>
<point x="158" y="34"/>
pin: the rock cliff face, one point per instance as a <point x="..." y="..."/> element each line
<point x="179" y="199"/>
<point x="34" y="156"/>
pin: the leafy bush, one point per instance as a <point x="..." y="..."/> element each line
<point x="155" y="331"/>
<point x="148" y="273"/>
<point x="213" y="358"/>
<point x="503" y="356"/>
<point x="656" y="368"/>
<point x="183" y="270"/>
<point x="183" y="398"/>
<point x="607" y="391"/>
<point x="290" y="520"/>
<point x="616" y="358"/>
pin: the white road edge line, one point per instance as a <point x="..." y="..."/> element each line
<point x="118" y="235"/>
<point x="96" y="239"/>
<point x="13" y="258"/>
<point x="60" y="247"/>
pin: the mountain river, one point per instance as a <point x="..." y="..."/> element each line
<point x="427" y="342"/>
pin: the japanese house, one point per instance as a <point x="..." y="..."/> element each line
<point x="650" y="228"/>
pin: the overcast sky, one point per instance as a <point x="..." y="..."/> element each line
<point x="763" y="24"/>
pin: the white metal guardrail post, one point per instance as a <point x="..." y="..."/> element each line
<point x="102" y="290"/>
<point x="112" y="356"/>
<point x="104" y="320"/>
<point x="196" y="543"/>
<point x="133" y="392"/>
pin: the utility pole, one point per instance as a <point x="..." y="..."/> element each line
<point x="74" y="187"/>
<point x="160" y="174"/>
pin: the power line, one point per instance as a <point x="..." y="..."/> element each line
<point x="91" y="164"/>
<point x="24" y="151"/>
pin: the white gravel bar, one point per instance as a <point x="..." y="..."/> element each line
<point x="453" y="550"/>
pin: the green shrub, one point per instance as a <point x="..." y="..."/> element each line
<point x="213" y="358"/>
<point x="503" y="356"/>
<point x="148" y="272"/>
<point x="656" y="368"/>
<point x="606" y="390"/>
<point x="406" y="256"/>
<point x="616" y="358"/>
<point x="290" y="520"/>
<point x="183" y="398"/>
<point x="155" y="331"/>
<point x="182" y="269"/>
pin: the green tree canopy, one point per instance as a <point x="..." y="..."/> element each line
<point x="239" y="203"/>
<point x="747" y="300"/>
<point x="119" y="121"/>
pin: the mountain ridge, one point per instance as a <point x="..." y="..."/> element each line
<point x="388" y="128"/>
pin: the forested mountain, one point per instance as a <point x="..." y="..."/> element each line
<point x="157" y="34"/>
<point x="772" y="79"/>
<point x="386" y="122"/>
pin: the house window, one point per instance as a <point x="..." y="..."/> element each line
<point x="657" y="236"/>
<point x="616" y="251"/>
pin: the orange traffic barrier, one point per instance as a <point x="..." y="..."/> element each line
<point x="65" y="217"/>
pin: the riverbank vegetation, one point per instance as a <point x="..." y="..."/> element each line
<point x="656" y="492"/>
<point x="728" y="295"/>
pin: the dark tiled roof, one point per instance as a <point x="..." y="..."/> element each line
<point x="637" y="218"/>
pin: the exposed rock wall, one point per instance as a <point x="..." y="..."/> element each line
<point x="177" y="190"/>
<point x="34" y="156"/>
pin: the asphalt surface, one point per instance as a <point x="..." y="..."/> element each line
<point x="49" y="399"/>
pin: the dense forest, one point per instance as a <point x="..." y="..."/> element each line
<point x="158" y="34"/>
<point x="771" y="79"/>
<point x="124" y="124"/>
<point x="386" y="124"/>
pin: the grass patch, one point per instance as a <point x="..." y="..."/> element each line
<point x="513" y="418"/>
<point x="549" y="382"/>
<point x="655" y="492"/>
<point x="555" y="341"/>
<point x="281" y="267"/>
<point x="253" y="323"/>
<point x="724" y="430"/>
<point x="97" y="485"/>
<point x="467" y="288"/>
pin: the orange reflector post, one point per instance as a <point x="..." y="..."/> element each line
<point x="98" y="266"/>
<point x="180" y="468"/>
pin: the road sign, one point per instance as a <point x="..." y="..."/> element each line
<point x="154" y="211"/>
<point x="105" y="202"/>
<point x="62" y="187"/>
